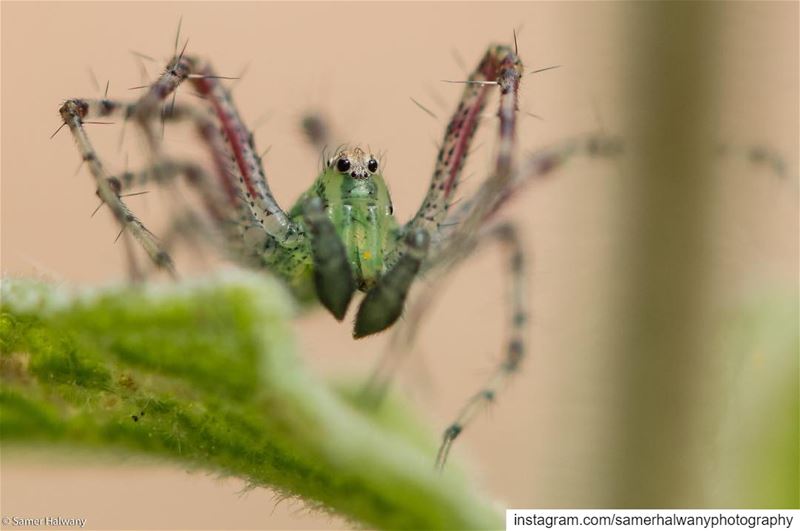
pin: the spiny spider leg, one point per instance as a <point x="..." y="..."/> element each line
<point x="73" y="112"/>
<point x="234" y="223"/>
<point x="206" y="128"/>
<point x="501" y="67"/>
<point x="538" y="165"/>
<point x="168" y="170"/>
<point x="231" y="142"/>
<point x="502" y="176"/>
<point x="256" y="190"/>
<point x="237" y="231"/>
<point x="507" y="235"/>
<point x="544" y="162"/>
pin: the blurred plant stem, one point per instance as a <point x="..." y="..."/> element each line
<point x="661" y="344"/>
<point x="675" y="432"/>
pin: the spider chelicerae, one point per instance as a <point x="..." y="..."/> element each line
<point x="341" y="236"/>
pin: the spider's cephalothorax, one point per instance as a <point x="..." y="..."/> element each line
<point x="356" y="200"/>
<point x="353" y="242"/>
<point x="341" y="236"/>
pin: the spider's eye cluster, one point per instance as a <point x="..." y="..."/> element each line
<point x="372" y="165"/>
<point x="343" y="165"/>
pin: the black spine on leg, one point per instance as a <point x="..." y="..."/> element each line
<point x="333" y="278"/>
<point x="384" y="303"/>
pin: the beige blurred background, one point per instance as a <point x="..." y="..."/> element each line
<point x="545" y="443"/>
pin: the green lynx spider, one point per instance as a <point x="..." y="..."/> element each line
<point x="341" y="236"/>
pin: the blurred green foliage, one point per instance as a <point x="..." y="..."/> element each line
<point x="759" y="440"/>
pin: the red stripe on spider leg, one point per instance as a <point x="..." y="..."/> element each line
<point x="149" y="105"/>
<point x="497" y="188"/>
<point x="460" y="132"/>
<point x="210" y="135"/>
<point x="177" y="71"/>
<point x="499" y="66"/>
<point x="233" y="128"/>
<point x="240" y="140"/>
<point x="472" y="104"/>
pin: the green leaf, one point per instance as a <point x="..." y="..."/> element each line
<point x="204" y="374"/>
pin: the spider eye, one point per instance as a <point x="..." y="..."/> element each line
<point x="343" y="165"/>
<point x="372" y="165"/>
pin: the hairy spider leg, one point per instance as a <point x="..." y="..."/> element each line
<point x="231" y="146"/>
<point x="508" y="79"/>
<point x="507" y="235"/>
<point x="254" y="187"/>
<point x="109" y="188"/>
<point x="538" y="165"/>
<point x="239" y="235"/>
<point x="185" y="225"/>
<point x="246" y="164"/>
<point x="73" y="113"/>
<point x="544" y="162"/>
<point x="501" y="67"/>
